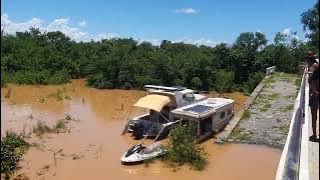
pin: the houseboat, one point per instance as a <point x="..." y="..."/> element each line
<point x="159" y="102"/>
<point x="209" y="116"/>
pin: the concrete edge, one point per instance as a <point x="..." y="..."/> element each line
<point x="282" y="162"/>
<point x="223" y="136"/>
<point x="304" y="155"/>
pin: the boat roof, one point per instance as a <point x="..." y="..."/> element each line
<point x="201" y="109"/>
<point x="161" y="91"/>
<point x="185" y="91"/>
<point x="153" y="101"/>
<point x="160" y="87"/>
<point x="153" y="88"/>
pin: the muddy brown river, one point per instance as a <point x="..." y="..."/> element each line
<point x="93" y="144"/>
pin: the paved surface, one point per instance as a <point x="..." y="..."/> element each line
<point x="313" y="155"/>
<point x="268" y="119"/>
<point x="222" y="136"/>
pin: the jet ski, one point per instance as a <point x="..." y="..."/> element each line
<point x="139" y="153"/>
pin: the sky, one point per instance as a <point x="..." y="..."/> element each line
<point x="201" y="22"/>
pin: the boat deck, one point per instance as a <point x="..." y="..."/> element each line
<point x="201" y="109"/>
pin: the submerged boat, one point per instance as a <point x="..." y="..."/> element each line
<point x="160" y="102"/>
<point x="209" y="116"/>
<point x="139" y="153"/>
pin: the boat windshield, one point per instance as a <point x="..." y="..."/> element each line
<point x="134" y="149"/>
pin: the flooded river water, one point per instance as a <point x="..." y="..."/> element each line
<point x="92" y="147"/>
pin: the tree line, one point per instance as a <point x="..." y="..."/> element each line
<point x="35" y="57"/>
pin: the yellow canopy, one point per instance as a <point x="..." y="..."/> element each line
<point x="153" y="101"/>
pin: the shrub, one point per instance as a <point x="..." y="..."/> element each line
<point x="58" y="95"/>
<point x="98" y="81"/>
<point x="42" y="99"/>
<point x="12" y="148"/>
<point x="143" y="80"/>
<point x="182" y="149"/>
<point x="59" y="127"/>
<point x="67" y="97"/>
<point x="59" y="77"/>
<point x="196" y="83"/>
<point x="41" y="128"/>
<point x="4" y="79"/>
<point x="253" y="81"/>
<point x="225" y="81"/>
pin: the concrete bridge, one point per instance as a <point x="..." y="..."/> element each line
<point x="300" y="157"/>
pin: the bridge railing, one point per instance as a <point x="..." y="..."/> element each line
<point x="289" y="165"/>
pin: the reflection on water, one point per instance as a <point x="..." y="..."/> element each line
<point x="96" y="141"/>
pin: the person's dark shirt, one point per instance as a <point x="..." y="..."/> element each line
<point x="315" y="74"/>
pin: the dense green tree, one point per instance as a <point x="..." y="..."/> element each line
<point x="34" y="57"/>
<point x="310" y="21"/>
<point x="252" y="41"/>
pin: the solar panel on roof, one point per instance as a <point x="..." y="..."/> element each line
<point x="199" y="108"/>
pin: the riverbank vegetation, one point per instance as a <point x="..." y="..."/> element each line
<point x="183" y="149"/>
<point x="12" y="148"/>
<point x="36" y="57"/>
<point x="41" y="128"/>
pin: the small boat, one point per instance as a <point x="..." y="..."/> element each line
<point x="139" y="153"/>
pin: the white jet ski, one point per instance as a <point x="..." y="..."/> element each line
<point x="139" y="153"/>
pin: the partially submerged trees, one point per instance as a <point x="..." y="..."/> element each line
<point x="183" y="149"/>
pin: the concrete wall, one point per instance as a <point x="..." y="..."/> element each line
<point x="270" y="70"/>
<point x="283" y="164"/>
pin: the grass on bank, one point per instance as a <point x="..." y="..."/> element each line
<point x="240" y="134"/>
<point x="246" y="114"/>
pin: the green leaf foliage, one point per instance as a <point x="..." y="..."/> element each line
<point x="12" y="148"/>
<point x="183" y="149"/>
<point x="35" y="57"/>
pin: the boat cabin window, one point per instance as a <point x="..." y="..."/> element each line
<point x="229" y="111"/>
<point x="188" y="97"/>
<point x="222" y="115"/>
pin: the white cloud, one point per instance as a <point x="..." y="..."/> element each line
<point x="286" y="31"/>
<point x="155" y="42"/>
<point x="291" y="34"/>
<point x="63" y="26"/>
<point x="77" y="34"/>
<point x="186" y="11"/>
<point x="201" y="41"/>
<point x="82" y="23"/>
<point x="197" y="42"/>
<point x="105" y="36"/>
<point x="10" y="27"/>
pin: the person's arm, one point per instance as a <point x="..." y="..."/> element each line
<point x="308" y="69"/>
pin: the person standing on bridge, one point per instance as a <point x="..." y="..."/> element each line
<point x="313" y="80"/>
